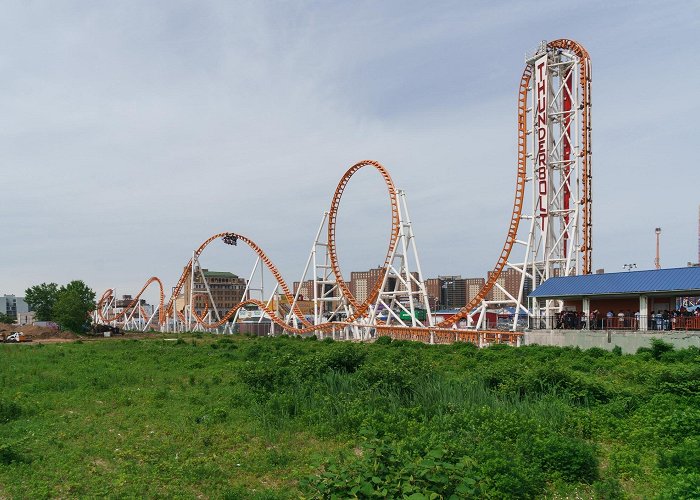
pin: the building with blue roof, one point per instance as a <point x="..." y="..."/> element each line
<point x="634" y="298"/>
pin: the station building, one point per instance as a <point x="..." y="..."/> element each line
<point x="633" y="300"/>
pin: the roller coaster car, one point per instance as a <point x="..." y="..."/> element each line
<point x="97" y="329"/>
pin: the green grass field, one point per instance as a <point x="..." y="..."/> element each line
<point x="239" y="417"/>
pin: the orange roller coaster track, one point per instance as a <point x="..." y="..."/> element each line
<point x="359" y="310"/>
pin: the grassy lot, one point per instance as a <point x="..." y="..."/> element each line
<point x="239" y="417"/>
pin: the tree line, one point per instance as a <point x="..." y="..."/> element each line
<point x="68" y="306"/>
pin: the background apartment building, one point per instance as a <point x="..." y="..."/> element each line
<point x="306" y="290"/>
<point x="123" y="303"/>
<point x="226" y="289"/>
<point x="510" y="281"/>
<point x="362" y="282"/>
<point x="452" y="292"/>
<point x="13" y="306"/>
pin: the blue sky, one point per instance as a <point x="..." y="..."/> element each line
<point x="132" y="131"/>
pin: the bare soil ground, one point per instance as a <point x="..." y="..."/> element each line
<point x="38" y="332"/>
<point x="50" y="335"/>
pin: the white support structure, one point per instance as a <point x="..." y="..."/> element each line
<point x="329" y="303"/>
<point x="403" y="296"/>
<point x="402" y="301"/>
<point x="550" y="237"/>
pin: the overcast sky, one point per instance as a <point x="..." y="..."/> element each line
<point x="132" y="131"/>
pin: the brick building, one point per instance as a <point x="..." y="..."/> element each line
<point x="433" y="287"/>
<point x="472" y="287"/>
<point x="226" y="289"/>
<point x="306" y="290"/>
<point x="450" y="292"/>
<point x="510" y="281"/>
<point x="362" y="282"/>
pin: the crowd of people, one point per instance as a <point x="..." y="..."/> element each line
<point x="677" y="319"/>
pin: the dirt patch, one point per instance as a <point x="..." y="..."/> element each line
<point x="37" y="332"/>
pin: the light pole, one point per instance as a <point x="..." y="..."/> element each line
<point x="657" y="261"/>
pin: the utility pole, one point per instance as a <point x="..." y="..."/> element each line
<point x="657" y="261"/>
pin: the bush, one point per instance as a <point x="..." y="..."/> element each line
<point x="345" y="357"/>
<point x="596" y="352"/>
<point x="9" y="455"/>
<point x="659" y="348"/>
<point x="625" y="463"/>
<point x="9" y="410"/>
<point x="684" y="456"/>
<point x="387" y="469"/>
<point x="688" y="355"/>
<point x="383" y="340"/>
<point x="264" y="378"/>
<point x="682" y="487"/>
<point x="608" y="489"/>
<point x="397" y="378"/>
<point x="574" y="459"/>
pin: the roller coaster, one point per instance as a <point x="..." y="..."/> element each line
<point x="550" y="234"/>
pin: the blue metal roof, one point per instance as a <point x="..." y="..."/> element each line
<point x="656" y="281"/>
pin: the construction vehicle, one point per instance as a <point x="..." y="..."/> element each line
<point x="15" y="337"/>
<point x="106" y="330"/>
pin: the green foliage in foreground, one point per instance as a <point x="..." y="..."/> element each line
<point x="237" y="417"/>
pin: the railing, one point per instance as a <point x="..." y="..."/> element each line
<point x="652" y="322"/>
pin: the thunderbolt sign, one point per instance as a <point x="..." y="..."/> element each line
<point x="541" y="137"/>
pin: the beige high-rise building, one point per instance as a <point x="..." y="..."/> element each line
<point x="472" y="287"/>
<point x="362" y="282"/>
<point x="510" y="281"/>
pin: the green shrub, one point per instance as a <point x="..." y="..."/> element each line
<point x="399" y="379"/>
<point x="684" y="456"/>
<point x="383" y="340"/>
<point x="659" y="348"/>
<point x="574" y="459"/>
<point x="688" y="355"/>
<point x="684" y="486"/>
<point x="596" y="352"/>
<point x="266" y="377"/>
<point x="608" y="489"/>
<point x="388" y="469"/>
<point x="626" y="462"/>
<point x="346" y="357"/>
<point x="9" y="410"/>
<point x="9" y="454"/>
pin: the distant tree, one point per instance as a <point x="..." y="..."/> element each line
<point x="6" y="318"/>
<point x="41" y="299"/>
<point x="74" y="302"/>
